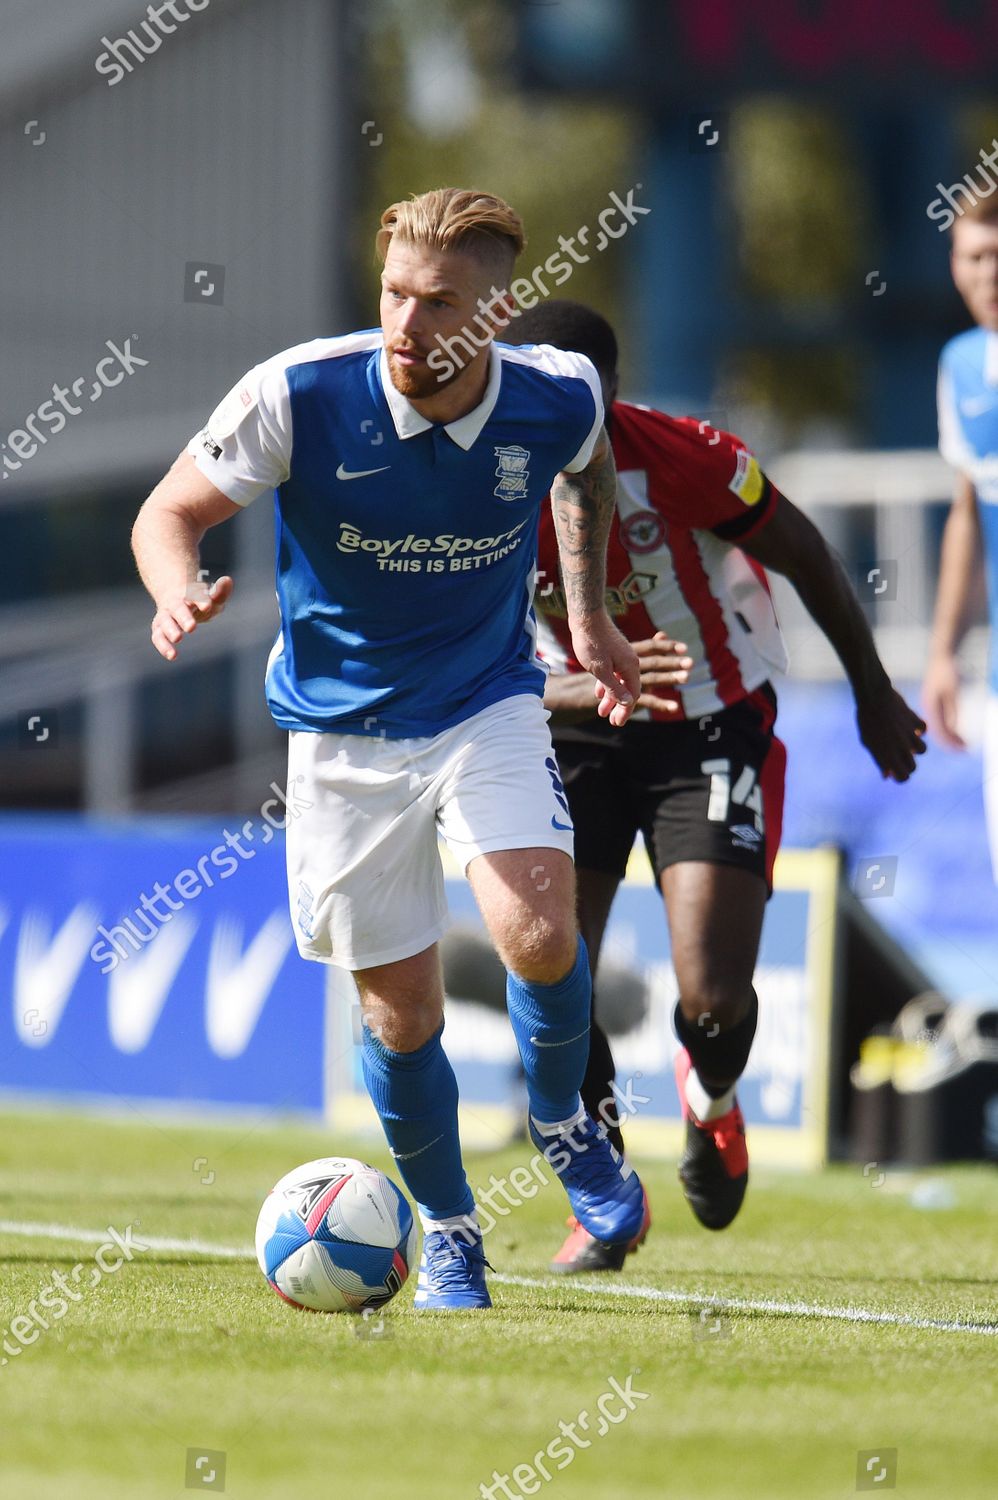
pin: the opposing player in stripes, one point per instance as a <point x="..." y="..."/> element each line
<point x="697" y="768"/>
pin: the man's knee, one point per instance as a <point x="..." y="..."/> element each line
<point x="541" y="952"/>
<point x="401" y="1026"/>
<point x="402" y="1003"/>
<point x="720" y="1004"/>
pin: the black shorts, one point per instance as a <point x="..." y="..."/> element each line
<point x="708" y="789"/>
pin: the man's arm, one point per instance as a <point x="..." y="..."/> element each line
<point x="959" y="567"/>
<point x="570" y="696"/>
<point x="790" y="544"/>
<point x="583" y="506"/>
<point x="165" y="541"/>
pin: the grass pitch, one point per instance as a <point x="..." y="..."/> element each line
<point x="780" y="1388"/>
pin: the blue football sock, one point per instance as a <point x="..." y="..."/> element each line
<point x="415" y="1094"/>
<point x="551" y="1026"/>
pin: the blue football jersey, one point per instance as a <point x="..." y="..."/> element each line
<point x="968" y="439"/>
<point x="405" y="549"/>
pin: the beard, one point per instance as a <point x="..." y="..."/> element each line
<point x="420" y="382"/>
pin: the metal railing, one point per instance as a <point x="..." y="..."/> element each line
<point x="94" y="650"/>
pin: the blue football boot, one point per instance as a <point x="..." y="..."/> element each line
<point x="604" y="1190"/>
<point x="452" y="1271"/>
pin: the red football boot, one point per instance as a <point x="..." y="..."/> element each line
<point x="714" y="1166"/>
<point x="581" y="1253"/>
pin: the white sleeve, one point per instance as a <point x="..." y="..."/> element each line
<point x="952" y="444"/>
<point x="587" y="370"/>
<point x="245" y="448"/>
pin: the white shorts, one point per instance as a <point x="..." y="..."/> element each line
<point x="365" y="881"/>
<point x="991" y="777"/>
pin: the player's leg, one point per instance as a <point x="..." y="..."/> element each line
<point x="591" y="762"/>
<point x="593" y="771"/>
<point x="411" y="1082"/>
<point x="367" y="895"/>
<point x="713" y="829"/>
<point x="595" y="891"/>
<point x="581" y="1252"/>
<point x="505" y="816"/>
<point x="527" y="901"/>
<point x="414" y="1090"/>
<point x="715" y="922"/>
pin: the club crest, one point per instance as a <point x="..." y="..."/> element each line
<point x="512" y="472"/>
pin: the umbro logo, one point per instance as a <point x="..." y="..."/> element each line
<point x="342" y="473"/>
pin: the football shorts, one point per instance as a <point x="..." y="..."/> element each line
<point x="365" y="881"/>
<point x="708" y="789"/>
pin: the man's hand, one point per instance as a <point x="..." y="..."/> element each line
<point x="600" y="648"/>
<point x="664" y="663"/>
<point x="941" y="697"/>
<point x="178" y="617"/>
<point x="166" y="538"/>
<point x="569" y="696"/>
<point x="891" y="731"/>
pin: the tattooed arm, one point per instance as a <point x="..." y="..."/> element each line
<point x="583" y="506"/>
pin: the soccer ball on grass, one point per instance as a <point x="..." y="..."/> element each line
<point x="335" y="1235"/>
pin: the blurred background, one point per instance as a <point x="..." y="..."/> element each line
<point x="187" y="195"/>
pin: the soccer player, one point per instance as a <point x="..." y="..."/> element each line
<point x="968" y="439"/>
<point x="409" y="464"/>
<point x="697" y="767"/>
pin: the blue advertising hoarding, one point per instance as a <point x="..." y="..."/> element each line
<point x="784" y="1092"/>
<point x="154" y="960"/>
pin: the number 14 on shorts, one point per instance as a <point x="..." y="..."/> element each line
<point x="744" y="793"/>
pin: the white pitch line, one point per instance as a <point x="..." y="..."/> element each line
<point x="551" y="1283"/>
<point x="97" y="1237"/>
<point x="746" y="1304"/>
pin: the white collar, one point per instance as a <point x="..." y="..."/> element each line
<point x="464" y="430"/>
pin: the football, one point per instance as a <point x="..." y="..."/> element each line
<point x="335" y="1235"/>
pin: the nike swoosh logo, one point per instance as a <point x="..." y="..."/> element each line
<point x="408" y="1155"/>
<point x="565" y="827"/>
<point x="342" y="473"/>
<point x="535" y="1041"/>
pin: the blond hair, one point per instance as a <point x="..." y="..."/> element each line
<point x="455" y="219"/>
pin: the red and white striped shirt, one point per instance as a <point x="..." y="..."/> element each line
<point x="686" y="494"/>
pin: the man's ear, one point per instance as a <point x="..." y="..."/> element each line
<point x="502" y="311"/>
